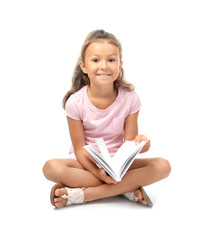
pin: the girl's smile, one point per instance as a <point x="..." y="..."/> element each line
<point x="103" y="75"/>
<point x="102" y="62"/>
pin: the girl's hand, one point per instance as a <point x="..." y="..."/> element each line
<point x="105" y="178"/>
<point x="140" y="138"/>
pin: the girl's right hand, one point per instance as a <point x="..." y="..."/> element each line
<point x="105" y="178"/>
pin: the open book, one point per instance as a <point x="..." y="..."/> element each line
<point x="117" y="165"/>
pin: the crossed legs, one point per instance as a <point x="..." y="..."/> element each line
<point x="71" y="173"/>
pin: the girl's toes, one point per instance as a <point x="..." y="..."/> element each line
<point x="60" y="204"/>
<point x="60" y="191"/>
<point x="143" y="201"/>
<point x="58" y="199"/>
<point x="140" y="197"/>
<point x="138" y="194"/>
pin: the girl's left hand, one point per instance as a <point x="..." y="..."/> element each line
<point x="140" y="138"/>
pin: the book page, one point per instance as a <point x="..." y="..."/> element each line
<point x="104" y="151"/>
<point x="127" y="151"/>
<point x="100" y="162"/>
<point x="130" y="160"/>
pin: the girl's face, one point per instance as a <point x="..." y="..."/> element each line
<point x="102" y="63"/>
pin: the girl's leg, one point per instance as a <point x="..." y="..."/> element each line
<point x="151" y="170"/>
<point x="70" y="173"/>
<point x="141" y="173"/>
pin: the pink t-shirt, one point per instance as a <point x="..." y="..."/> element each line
<point x="107" y="123"/>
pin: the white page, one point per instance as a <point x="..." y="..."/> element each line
<point x="124" y="153"/>
<point x="127" y="164"/>
<point x="104" y="151"/>
<point x="97" y="157"/>
<point x="99" y="161"/>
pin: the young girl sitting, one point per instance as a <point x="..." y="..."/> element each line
<point x="101" y="104"/>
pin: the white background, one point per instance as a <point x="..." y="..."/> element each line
<point x="166" y="54"/>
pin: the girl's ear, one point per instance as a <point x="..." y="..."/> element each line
<point x="83" y="68"/>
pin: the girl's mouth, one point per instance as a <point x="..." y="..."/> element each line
<point x="104" y="75"/>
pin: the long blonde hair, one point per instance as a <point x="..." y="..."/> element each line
<point x="81" y="79"/>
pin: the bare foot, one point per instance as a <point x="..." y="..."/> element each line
<point x="139" y="194"/>
<point x="59" y="201"/>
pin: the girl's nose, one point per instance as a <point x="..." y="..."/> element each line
<point x="103" y="64"/>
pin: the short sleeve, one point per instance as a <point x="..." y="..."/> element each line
<point x="135" y="103"/>
<point x="71" y="109"/>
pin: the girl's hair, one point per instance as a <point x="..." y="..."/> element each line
<point x="81" y="79"/>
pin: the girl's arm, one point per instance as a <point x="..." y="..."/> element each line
<point x="131" y="127"/>
<point x="85" y="159"/>
<point x="131" y="132"/>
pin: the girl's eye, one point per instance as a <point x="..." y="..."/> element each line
<point x="95" y="60"/>
<point x="112" y="60"/>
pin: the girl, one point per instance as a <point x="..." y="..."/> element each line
<point x="101" y="104"/>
